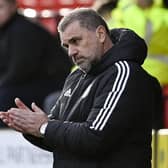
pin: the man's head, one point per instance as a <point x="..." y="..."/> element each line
<point x="86" y="36"/>
<point x="7" y="9"/>
<point x="144" y="3"/>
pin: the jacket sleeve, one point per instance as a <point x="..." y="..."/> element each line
<point x="39" y="142"/>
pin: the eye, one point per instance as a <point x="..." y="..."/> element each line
<point x="75" y="41"/>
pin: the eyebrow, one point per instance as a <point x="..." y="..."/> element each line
<point x="71" y="41"/>
<point x="74" y="38"/>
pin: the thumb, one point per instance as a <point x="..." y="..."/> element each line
<point x="20" y="104"/>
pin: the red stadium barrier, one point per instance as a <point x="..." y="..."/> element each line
<point x="53" y="4"/>
<point x="53" y="8"/>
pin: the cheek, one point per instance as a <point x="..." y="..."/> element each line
<point x="95" y="48"/>
<point x="92" y="46"/>
<point x="90" y="49"/>
<point x="4" y="16"/>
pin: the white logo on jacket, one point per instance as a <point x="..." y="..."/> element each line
<point x="68" y="93"/>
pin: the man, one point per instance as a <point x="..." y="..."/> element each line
<point x="103" y="117"/>
<point x="32" y="62"/>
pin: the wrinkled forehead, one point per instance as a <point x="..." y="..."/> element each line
<point x="73" y="29"/>
<point x="3" y="3"/>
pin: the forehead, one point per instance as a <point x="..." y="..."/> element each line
<point x="3" y="2"/>
<point x="73" y="30"/>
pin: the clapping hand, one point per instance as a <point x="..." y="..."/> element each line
<point x="24" y="119"/>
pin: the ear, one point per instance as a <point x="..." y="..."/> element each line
<point x="101" y="33"/>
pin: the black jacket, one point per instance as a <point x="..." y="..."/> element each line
<point x="103" y="119"/>
<point x="32" y="63"/>
<point x="29" y="53"/>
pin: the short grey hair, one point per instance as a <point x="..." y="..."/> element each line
<point x="88" y="18"/>
<point x="11" y="1"/>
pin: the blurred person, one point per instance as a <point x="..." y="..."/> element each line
<point x="150" y="21"/>
<point x="165" y="3"/>
<point x="104" y="7"/>
<point x="103" y="117"/>
<point x="32" y="61"/>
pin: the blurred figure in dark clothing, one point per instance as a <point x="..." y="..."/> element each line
<point x="32" y="62"/>
<point x="165" y="3"/>
<point x="104" y="7"/>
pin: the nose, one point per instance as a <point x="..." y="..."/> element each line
<point x="72" y="51"/>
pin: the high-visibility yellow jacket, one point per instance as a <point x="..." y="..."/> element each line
<point x="152" y="25"/>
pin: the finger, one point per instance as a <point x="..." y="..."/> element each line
<point x="17" y="128"/>
<point x="18" y="114"/>
<point x="3" y="115"/>
<point x="20" y="104"/>
<point x="6" y="121"/>
<point x="18" y="121"/>
<point x="36" y="108"/>
<point x="1" y="112"/>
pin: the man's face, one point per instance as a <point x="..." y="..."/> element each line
<point x="144" y="3"/>
<point x="6" y="10"/>
<point x="84" y="46"/>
